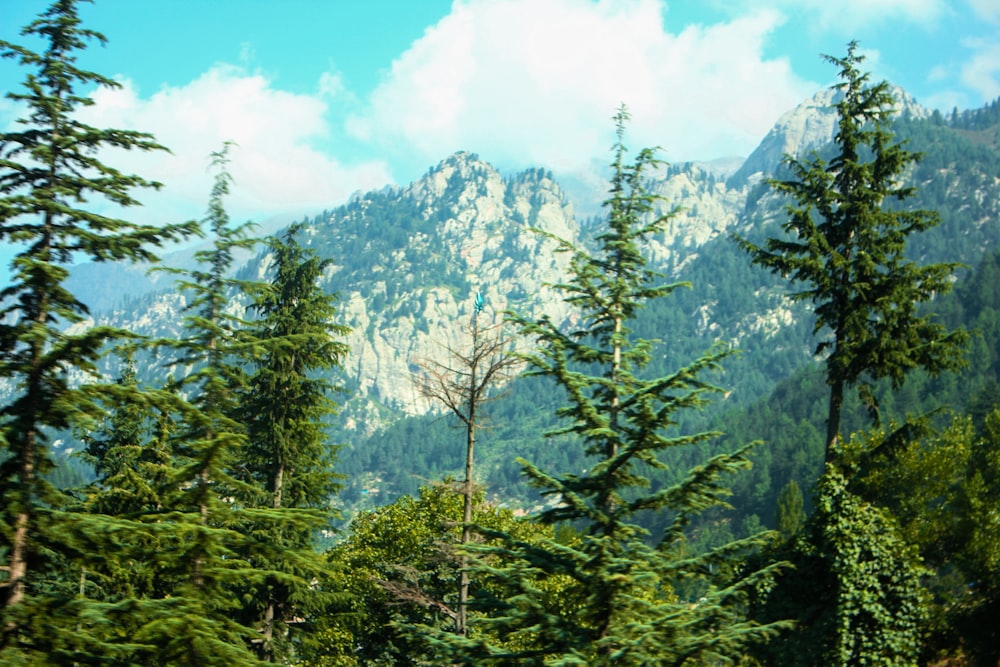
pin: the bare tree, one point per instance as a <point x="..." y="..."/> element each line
<point x="463" y="383"/>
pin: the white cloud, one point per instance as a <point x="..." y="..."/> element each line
<point x="536" y="82"/>
<point x="331" y="84"/>
<point x="981" y="72"/>
<point x="988" y="10"/>
<point x="978" y="74"/>
<point x="278" y="166"/>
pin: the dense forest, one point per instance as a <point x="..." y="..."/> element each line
<point x="613" y="505"/>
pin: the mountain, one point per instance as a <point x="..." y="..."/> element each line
<point x="108" y="285"/>
<point x="408" y="262"/>
<point x="809" y="126"/>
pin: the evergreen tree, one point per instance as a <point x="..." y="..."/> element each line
<point x="128" y="452"/>
<point x="208" y="548"/>
<point x="849" y="232"/>
<point x="49" y="170"/>
<point x="620" y="605"/>
<point x="848" y="246"/>
<point x="126" y="571"/>
<point x="286" y="455"/>
<point x="790" y="515"/>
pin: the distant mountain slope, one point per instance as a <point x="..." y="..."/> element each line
<point x="408" y="261"/>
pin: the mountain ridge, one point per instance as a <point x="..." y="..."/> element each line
<point x="408" y="260"/>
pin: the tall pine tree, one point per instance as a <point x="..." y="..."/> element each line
<point x="49" y="171"/>
<point x="857" y="587"/>
<point x="287" y="456"/>
<point x="201" y="515"/>
<point x="847" y="246"/>
<point x="619" y="605"/>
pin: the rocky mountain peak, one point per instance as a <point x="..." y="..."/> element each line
<point x="807" y="127"/>
<point x="442" y="180"/>
<point x="409" y="261"/>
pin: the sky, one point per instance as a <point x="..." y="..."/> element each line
<point x="324" y="98"/>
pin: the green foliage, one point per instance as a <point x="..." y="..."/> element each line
<point x="398" y="565"/>
<point x="286" y="457"/>
<point x="790" y="515"/>
<point x="880" y="606"/>
<point x="285" y="401"/>
<point x="49" y="169"/>
<point x="855" y="589"/>
<point x="194" y="542"/>
<point x="980" y="554"/>
<point x="942" y="488"/>
<point x="132" y="467"/>
<point x="619" y="604"/>
<point x="208" y="550"/>
<point x="848" y="249"/>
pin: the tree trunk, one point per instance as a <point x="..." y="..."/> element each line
<point x="19" y="546"/>
<point x="462" y="618"/>
<point x="22" y="524"/>
<point x="461" y="621"/>
<point x="271" y="609"/>
<point x="833" y="419"/>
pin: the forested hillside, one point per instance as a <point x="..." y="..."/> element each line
<point x="730" y="301"/>
<point x="751" y="420"/>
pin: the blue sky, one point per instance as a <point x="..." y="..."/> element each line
<point x="327" y="97"/>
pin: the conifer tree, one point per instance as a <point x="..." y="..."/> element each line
<point x="847" y="246"/>
<point x="124" y="573"/>
<point x="128" y="452"/>
<point x="208" y="548"/>
<point x="790" y="515"/>
<point x="848" y="230"/>
<point x="49" y="170"/>
<point x="619" y="606"/>
<point x="287" y="455"/>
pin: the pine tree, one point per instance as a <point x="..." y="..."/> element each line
<point x="286" y="455"/>
<point x="620" y="605"/>
<point x="49" y="170"/>
<point x="790" y="516"/>
<point x="849" y="230"/>
<point x="124" y="574"/>
<point x="131" y="462"/>
<point x="847" y="246"/>
<point x="200" y="517"/>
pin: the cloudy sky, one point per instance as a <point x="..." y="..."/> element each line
<point x="327" y="97"/>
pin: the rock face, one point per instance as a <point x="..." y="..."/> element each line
<point x="407" y="264"/>
<point x="704" y="206"/>
<point x="805" y="128"/>
<point x="408" y="293"/>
